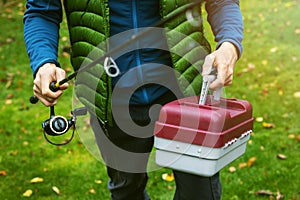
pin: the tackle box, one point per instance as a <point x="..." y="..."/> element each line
<point x="202" y="139"/>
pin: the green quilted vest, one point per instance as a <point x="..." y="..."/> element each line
<point x="88" y="22"/>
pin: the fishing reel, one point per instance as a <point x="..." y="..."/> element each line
<point x="58" y="125"/>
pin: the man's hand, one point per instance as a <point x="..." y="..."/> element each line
<point x="46" y="74"/>
<point x="224" y="59"/>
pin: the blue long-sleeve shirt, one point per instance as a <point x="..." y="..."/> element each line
<point x="43" y="17"/>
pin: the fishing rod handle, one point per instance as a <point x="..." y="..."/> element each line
<point x="54" y="87"/>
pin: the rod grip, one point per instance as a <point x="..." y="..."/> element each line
<point x="54" y="87"/>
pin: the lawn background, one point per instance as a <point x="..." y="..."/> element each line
<point x="267" y="75"/>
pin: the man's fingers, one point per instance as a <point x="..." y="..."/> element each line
<point x="215" y="85"/>
<point x="207" y="65"/>
<point x="229" y="80"/>
<point x="46" y="101"/>
<point x="48" y="98"/>
<point x="47" y="74"/>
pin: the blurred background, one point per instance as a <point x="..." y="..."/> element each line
<point x="267" y="75"/>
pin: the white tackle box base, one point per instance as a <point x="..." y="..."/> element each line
<point x="195" y="159"/>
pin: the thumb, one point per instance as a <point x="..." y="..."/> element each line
<point x="60" y="75"/>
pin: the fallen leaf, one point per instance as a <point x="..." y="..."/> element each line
<point x="281" y="156"/>
<point x="27" y="193"/>
<point x="9" y="40"/>
<point x="10" y="96"/>
<point x="92" y="191"/>
<point x="251" y="161"/>
<point x="98" y="181"/>
<point x="36" y="180"/>
<point x="65" y="54"/>
<point x="56" y="190"/>
<point x="10" y="78"/>
<point x="297" y="94"/>
<point x="298" y="138"/>
<point x="8" y="101"/>
<point x="268" y="125"/>
<point x="259" y="119"/>
<point x="242" y="165"/>
<point x="264" y="192"/>
<point x="291" y="136"/>
<point x="168" y="177"/>
<point x="232" y="169"/>
<point x="3" y="173"/>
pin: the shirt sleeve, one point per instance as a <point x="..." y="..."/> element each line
<point x="226" y="22"/>
<point x="41" y="31"/>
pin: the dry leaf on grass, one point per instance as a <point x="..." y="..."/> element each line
<point x="297" y="94"/>
<point x="3" y="173"/>
<point x="281" y="156"/>
<point x="56" y="190"/>
<point x="264" y="192"/>
<point x="270" y="194"/>
<point x="168" y="177"/>
<point x="10" y="78"/>
<point x="268" y="125"/>
<point x="36" y="180"/>
<point x="98" y="181"/>
<point x="251" y="161"/>
<point x="298" y="138"/>
<point x="242" y="165"/>
<point x="232" y="169"/>
<point x="259" y="119"/>
<point x="92" y="191"/>
<point x="27" y="193"/>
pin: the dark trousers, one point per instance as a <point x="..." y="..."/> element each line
<point x="126" y="155"/>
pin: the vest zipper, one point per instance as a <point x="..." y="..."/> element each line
<point x="107" y="120"/>
<point x="137" y="51"/>
<point x="108" y="114"/>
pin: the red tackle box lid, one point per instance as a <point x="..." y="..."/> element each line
<point x="212" y="124"/>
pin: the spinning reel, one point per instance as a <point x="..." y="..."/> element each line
<point x="58" y="125"/>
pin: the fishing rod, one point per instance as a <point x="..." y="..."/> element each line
<point x="58" y="125"/>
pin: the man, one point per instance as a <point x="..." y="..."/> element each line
<point x="144" y="81"/>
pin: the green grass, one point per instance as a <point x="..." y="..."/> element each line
<point x="267" y="75"/>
